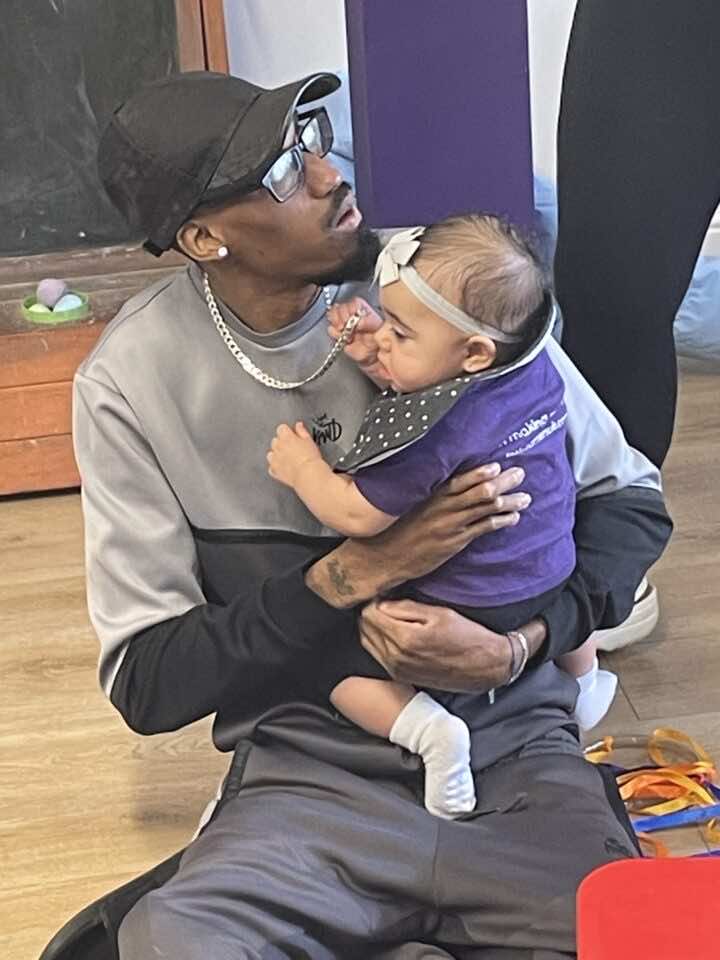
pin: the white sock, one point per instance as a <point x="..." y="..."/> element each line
<point x="597" y="692"/>
<point x="442" y="741"/>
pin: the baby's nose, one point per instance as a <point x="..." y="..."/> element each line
<point x="382" y="337"/>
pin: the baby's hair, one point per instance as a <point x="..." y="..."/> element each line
<point x="484" y="265"/>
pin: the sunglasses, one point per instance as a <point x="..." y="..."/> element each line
<point x="287" y="174"/>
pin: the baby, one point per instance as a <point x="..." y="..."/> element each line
<point x="460" y="353"/>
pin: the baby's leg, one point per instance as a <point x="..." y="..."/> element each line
<point x="372" y="704"/>
<point x="415" y="721"/>
<point x="597" y="687"/>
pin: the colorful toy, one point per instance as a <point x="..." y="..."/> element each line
<point x="54" y="303"/>
<point x="69" y="301"/>
<point x="50" y="291"/>
<point x="668" y="792"/>
<point x="39" y="308"/>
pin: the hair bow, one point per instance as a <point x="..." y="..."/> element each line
<point x="398" y="252"/>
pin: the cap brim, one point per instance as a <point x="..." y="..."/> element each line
<point x="259" y="138"/>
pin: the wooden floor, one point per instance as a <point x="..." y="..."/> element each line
<point x="85" y="804"/>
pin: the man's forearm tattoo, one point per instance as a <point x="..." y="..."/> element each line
<point x="339" y="580"/>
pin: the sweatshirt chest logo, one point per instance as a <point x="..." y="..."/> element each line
<point x="325" y="429"/>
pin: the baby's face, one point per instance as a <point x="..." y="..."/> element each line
<point x="418" y="348"/>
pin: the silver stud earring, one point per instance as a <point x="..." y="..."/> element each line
<point x="223" y="252"/>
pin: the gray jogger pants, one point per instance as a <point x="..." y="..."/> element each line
<point x="306" y="860"/>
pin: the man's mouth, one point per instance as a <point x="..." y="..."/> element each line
<point x="348" y="217"/>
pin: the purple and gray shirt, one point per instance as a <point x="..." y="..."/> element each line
<point x="515" y="419"/>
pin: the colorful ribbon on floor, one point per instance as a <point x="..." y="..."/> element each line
<point x="667" y="793"/>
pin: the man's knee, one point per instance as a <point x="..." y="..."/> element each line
<point x="134" y="941"/>
<point x="188" y="921"/>
<point x="154" y="928"/>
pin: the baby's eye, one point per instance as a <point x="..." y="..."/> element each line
<point x="398" y="333"/>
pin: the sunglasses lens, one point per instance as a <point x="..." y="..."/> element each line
<point x="317" y="134"/>
<point x="285" y="175"/>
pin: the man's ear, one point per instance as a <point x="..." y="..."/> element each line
<point x="480" y="354"/>
<point x="198" y="241"/>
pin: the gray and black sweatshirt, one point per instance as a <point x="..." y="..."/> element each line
<point x="196" y="557"/>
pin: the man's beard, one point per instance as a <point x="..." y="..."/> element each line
<point x="358" y="265"/>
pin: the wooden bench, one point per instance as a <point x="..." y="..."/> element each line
<point x="38" y="361"/>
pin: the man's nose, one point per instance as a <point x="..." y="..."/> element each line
<point x="321" y="176"/>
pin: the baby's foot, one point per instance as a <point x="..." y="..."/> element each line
<point x="449" y="784"/>
<point x="597" y="692"/>
<point x="443" y="742"/>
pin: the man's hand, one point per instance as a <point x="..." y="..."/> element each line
<point x="362" y="347"/>
<point x="438" y="648"/>
<point x="467" y="506"/>
<point x="291" y="452"/>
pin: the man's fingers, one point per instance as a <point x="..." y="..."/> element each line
<point x="375" y="617"/>
<point x="375" y="644"/>
<point x="391" y="639"/>
<point x="475" y="486"/>
<point x="406" y="610"/>
<point x="373" y="640"/>
<point x="514" y="502"/>
<point x="381" y="627"/>
<point x="508" y="480"/>
<point x="471" y="478"/>
<point x="500" y="506"/>
<point x="493" y="494"/>
<point x="490" y="524"/>
<point x="375" y="653"/>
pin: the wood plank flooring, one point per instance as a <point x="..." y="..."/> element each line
<point x="85" y="804"/>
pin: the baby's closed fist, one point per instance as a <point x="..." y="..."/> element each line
<point x="291" y="451"/>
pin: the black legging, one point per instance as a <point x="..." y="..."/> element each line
<point x="638" y="182"/>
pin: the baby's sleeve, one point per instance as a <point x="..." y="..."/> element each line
<point x="408" y="477"/>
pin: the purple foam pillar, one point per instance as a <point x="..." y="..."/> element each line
<point x="441" y="108"/>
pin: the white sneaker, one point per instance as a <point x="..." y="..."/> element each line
<point x="638" y="626"/>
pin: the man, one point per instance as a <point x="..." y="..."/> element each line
<point x="208" y="596"/>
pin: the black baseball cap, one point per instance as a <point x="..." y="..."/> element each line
<point x="195" y="138"/>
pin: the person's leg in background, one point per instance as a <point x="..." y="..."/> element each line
<point x="638" y="182"/>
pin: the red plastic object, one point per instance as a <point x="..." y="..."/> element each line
<point x="650" y="910"/>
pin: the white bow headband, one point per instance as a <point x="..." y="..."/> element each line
<point x="393" y="264"/>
